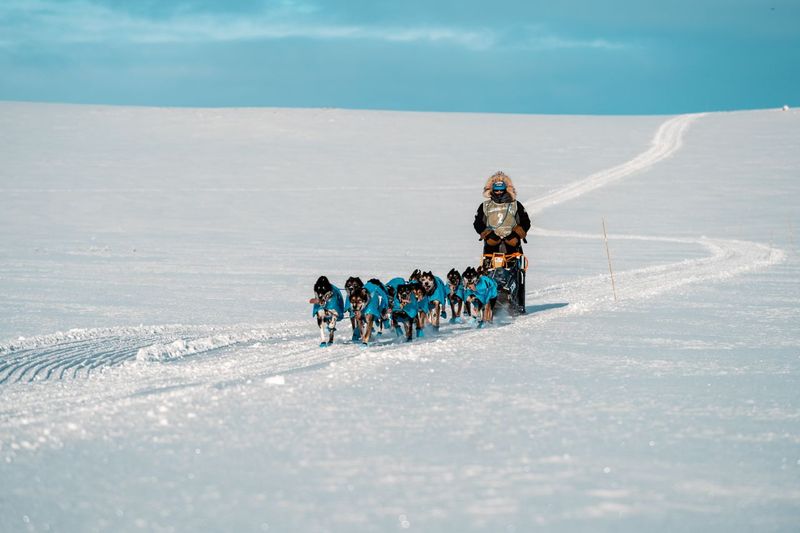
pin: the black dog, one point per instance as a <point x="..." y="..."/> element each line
<point x="354" y="286"/>
<point x="350" y="286"/>
<point x="482" y="311"/>
<point x="387" y="313"/>
<point x="326" y="315"/>
<point x="402" y="299"/>
<point x="456" y="295"/>
<point x="415" y="280"/>
<point x="359" y="299"/>
<point x="436" y="294"/>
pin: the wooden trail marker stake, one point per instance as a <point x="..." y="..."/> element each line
<point x="608" y="254"/>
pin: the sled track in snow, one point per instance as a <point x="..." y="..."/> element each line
<point x="68" y="359"/>
<point x="259" y="351"/>
<point x="77" y="352"/>
<point x="727" y="257"/>
<point x="667" y="140"/>
<point x="81" y="353"/>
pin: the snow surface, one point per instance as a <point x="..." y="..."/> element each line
<point x="160" y="368"/>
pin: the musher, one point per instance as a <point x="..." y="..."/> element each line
<point x="503" y="224"/>
<point x="501" y="220"/>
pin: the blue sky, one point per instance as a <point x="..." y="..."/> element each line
<point x="617" y="56"/>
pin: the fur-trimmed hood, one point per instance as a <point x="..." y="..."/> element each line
<point x="499" y="176"/>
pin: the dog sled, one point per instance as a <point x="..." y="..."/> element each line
<point x="508" y="271"/>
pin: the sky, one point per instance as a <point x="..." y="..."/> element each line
<point x="508" y="56"/>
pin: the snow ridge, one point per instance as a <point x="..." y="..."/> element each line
<point x="182" y="347"/>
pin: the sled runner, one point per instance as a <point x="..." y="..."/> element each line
<point x="508" y="271"/>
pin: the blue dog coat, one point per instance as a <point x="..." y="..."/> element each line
<point x="334" y="303"/>
<point x="411" y="308"/>
<point x="458" y="291"/>
<point x="395" y="282"/>
<point x="485" y="290"/>
<point x="378" y="300"/>
<point x="439" y="292"/>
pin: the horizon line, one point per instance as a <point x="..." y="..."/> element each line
<point x="379" y="109"/>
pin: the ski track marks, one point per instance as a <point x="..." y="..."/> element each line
<point x="262" y="351"/>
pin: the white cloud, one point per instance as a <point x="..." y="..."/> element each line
<point x="555" y="43"/>
<point x="80" y="21"/>
<point x="540" y="38"/>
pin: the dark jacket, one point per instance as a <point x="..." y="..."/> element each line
<point x="521" y="230"/>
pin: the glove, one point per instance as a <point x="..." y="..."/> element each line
<point x="484" y="234"/>
<point x="512" y="240"/>
<point x="493" y="239"/>
<point x="521" y="233"/>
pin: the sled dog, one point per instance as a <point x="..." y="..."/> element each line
<point x="435" y="291"/>
<point x="481" y="293"/>
<point x="328" y="308"/>
<point x="455" y="295"/>
<point x="404" y="311"/>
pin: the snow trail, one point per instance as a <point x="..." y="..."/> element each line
<point x="80" y="353"/>
<point x="667" y="140"/>
<point x="728" y="257"/>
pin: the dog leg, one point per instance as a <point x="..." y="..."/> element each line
<point x="435" y="312"/>
<point x="365" y="337"/>
<point x="381" y="322"/>
<point x="420" y="322"/>
<point x="474" y="307"/>
<point x="332" y="317"/>
<point x="487" y="313"/>
<point x="356" y="329"/>
<point x="476" y="311"/>
<point x="396" y="326"/>
<point x="321" y="324"/>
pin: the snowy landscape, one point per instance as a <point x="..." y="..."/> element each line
<point x="160" y="368"/>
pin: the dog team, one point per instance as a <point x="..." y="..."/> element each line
<point x="403" y="304"/>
